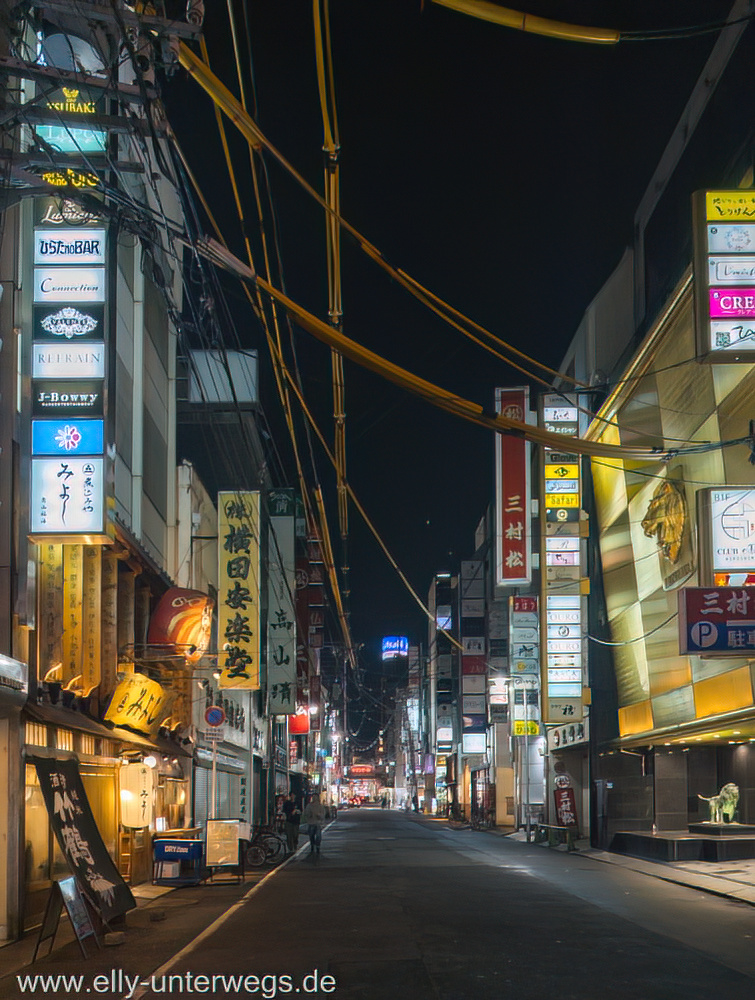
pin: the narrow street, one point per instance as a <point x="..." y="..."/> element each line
<point x="400" y="906"/>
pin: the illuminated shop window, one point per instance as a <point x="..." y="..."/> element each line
<point x="64" y="739"/>
<point x="36" y="734"/>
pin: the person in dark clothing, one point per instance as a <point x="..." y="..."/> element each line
<point x="292" y="815"/>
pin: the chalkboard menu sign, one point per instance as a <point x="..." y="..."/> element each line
<point x="79" y="839"/>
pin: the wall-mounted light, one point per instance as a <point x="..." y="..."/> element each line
<point x="150" y="761"/>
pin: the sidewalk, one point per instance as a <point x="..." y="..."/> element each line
<point x="730" y="879"/>
<point x="164" y="919"/>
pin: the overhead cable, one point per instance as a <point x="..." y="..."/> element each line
<point x="444" y="399"/>
<point x="221" y="96"/>
<point x="483" y="10"/>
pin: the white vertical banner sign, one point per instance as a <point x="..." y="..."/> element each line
<point x="281" y="620"/>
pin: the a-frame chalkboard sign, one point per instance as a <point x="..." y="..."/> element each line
<point x="66" y="893"/>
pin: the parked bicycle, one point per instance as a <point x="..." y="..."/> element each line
<point x="265" y="847"/>
<point x="482" y="820"/>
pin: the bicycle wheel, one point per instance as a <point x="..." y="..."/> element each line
<point x="273" y="845"/>
<point x="255" y="856"/>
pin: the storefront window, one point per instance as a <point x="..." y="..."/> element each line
<point x="37" y="831"/>
<point x="100" y="786"/>
<point x="170" y="804"/>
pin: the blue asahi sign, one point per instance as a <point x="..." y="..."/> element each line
<point x="67" y="437"/>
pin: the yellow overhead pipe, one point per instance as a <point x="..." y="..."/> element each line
<point x="414" y="383"/>
<point x="508" y="18"/>
<point x="223" y="99"/>
<point x="369" y="359"/>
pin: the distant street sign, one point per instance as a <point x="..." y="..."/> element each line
<point x="214" y="735"/>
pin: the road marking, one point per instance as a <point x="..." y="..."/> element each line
<point x="211" y="928"/>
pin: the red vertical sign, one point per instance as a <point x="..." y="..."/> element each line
<point x="512" y="493"/>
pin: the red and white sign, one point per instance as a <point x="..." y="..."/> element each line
<point x="512" y="493"/>
<point x="718" y="621"/>
<point x="298" y="725"/>
<point x="566" y="806"/>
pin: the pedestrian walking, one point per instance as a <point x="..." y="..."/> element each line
<point x="313" y="818"/>
<point x="292" y="817"/>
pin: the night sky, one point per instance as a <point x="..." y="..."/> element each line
<point x="500" y="169"/>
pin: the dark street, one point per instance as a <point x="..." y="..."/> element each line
<point x="400" y="906"/>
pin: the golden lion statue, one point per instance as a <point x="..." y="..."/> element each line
<point x="724" y="804"/>
<point x="666" y="518"/>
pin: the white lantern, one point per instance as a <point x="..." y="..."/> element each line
<point x="137" y="782"/>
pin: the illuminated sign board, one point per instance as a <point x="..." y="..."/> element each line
<point x="66" y="139"/>
<point x="725" y="274"/>
<point x="64" y="437"/>
<point x="717" y="620"/>
<point x="67" y="496"/>
<point x="443" y="616"/>
<point x="68" y="372"/>
<point x="63" y="212"/>
<point x="732" y="270"/>
<point x="70" y="177"/>
<point x="69" y="246"/>
<point x="139" y="703"/>
<point x="69" y="284"/>
<point x="238" y="593"/>
<point x="732" y="530"/>
<point x="61" y="323"/>
<point x="513" y="504"/>
<point x="562" y="675"/>
<point x="59" y="399"/>
<point x="473" y="743"/>
<point x="525" y="727"/>
<point x="394" y="646"/>
<point x="77" y="361"/>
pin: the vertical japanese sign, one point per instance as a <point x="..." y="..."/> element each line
<point x="281" y="618"/>
<point x="239" y="589"/>
<point x="109" y="649"/>
<point x="91" y="614"/>
<point x="137" y="783"/>
<point x="79" y="839"/>
<point x="50" y="607"/>
<point x="73" y="596"/>
<point x="512" y="493"/>
<point x="725" y="274"/>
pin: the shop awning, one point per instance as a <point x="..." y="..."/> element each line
<point x="57" y="715"/>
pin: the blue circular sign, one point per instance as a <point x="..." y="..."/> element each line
<point x="214" y="716"/>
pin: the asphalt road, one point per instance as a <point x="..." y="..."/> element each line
<point x="397" y="907"/>
<point x="400" y="907"/>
